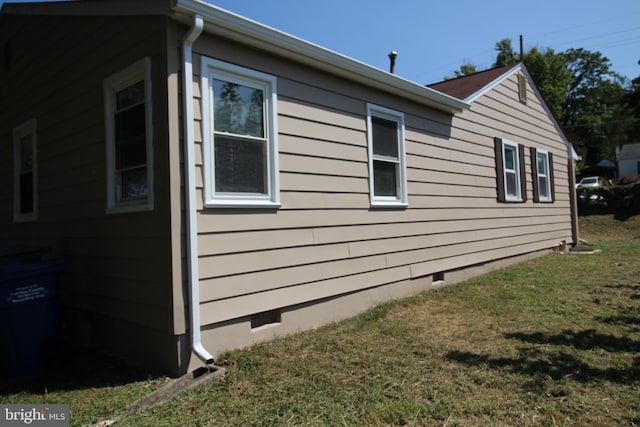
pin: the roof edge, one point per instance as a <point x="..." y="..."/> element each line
<point x="570" y="148"/>
<point x="488" y="87"/>
<point x="235" y="27"/>
<point x="88" y="8"/>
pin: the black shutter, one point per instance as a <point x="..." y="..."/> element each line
<point x="534" y="174"/>
<point x="499" y="169"/>
<point x="523" y="176"/>
<point x="551" y="180"/>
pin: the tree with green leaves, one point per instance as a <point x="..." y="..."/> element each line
<point x="584" y="94"/>
<point x="631" y="104"/>
<point x="465" y="70"/>
<point x="549" y="72"/>
<point x="506" y="55"/>
<point x="592" y="105"/>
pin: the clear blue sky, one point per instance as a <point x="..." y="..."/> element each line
<point x="434" y="37"/>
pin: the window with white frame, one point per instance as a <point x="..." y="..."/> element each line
<point x="510" y="171"/>
<point x="240" y="136"/>
<point x="387" y="166"/>
<point x="542" y="161"/>
<point x="542" y="174"/>
<point x="25" y="172"/>
<point x="129" y="138"/>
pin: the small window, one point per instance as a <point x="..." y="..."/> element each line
<point x="25" y="172"/>
<point x="542" y="175"/>
<point x="387" y="169"/>
<point x="240" y="136"/>
<point x="129" y="139"/>
<point x="510" y="171"/>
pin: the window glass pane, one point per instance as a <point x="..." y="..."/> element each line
<point x="26" y="153"/>
<point x="385" y="178"/>
<point x="385" y="137"/>
<point x="542" y="187"/>
<point x="509" y="157"/>
<point x="238" y="109"/>
<point x="542" y="164"/>
<point x="512" y="189"/>
<point x="26" y="192"/>
<point x="133" y="183"/>
<point x="130" y="137"/>
<point x="132" y="95"/>
<point x="133" y="153"/>
<point x="240" y="166"/>
<point x="130" y="123"/>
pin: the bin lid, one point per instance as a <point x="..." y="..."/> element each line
<point x="11" y="253"/>
<point x="14" y="270"/>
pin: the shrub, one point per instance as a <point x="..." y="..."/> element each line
<point x="627" y="179"/>
<point x="615" y="199"/>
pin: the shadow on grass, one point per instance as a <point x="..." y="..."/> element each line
<point x="557" y="365"/>
<point x="629" y="316"/>
<point x="583" y="340"/>
<point x="67" y="367"/>
<point x="560" y="364"/>
<point x="632" y="288"/>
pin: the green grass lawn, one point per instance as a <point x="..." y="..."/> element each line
<point x="553" y="341"/>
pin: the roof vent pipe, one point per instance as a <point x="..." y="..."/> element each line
<point x="521" y="48"/>
<point x="392" y="61"/>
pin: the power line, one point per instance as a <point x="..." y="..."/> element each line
<point x="586" y="24"/>
<point x="610" y="122"/>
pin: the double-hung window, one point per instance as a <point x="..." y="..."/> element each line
<point x="542" y="171"/>
<point x="129" y="138"/>
<point x="25" y="172"/>
<point x="510" y="171"/>
<point x="387" y="165"/>
<point x="239" y="135"/>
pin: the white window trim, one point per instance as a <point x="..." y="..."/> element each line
<point x="212" y="68"/>
<point x="27" y="128"/>
<point x="140" y="70"/>
<point x="402" y="200"/>
<point x="546" y="159"/>
<point x="507" y="196"/>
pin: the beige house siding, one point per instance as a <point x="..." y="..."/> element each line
<point x="118" y="269"/>
<point x="323" y="255"/>
<point x="326" y="240"/>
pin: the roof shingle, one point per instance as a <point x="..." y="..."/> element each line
<point x="629" y="151"/>
<point x="465" y="86"/>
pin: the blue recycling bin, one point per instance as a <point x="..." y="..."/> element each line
<point x="29" y="313"/>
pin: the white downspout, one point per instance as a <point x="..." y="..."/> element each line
<point x="190" y="191"/>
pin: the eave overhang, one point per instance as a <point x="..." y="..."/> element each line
<point x="222" y="23"/>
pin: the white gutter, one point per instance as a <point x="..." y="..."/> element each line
<point x="228" y="25"/>
<point x="190" y="190"/>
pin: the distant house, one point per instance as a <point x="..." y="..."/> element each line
<point x="213" y="182"/>
<point x="629" y="160"/>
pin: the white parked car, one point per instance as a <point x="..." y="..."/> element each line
<point x="593" y="181"/>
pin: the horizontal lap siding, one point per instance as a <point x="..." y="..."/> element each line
<point x="117" y="265"/>
<point x="325" y="240"/>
